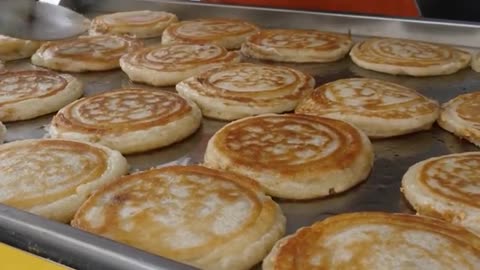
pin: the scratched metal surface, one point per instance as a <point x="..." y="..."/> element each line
<point x="381" y="191"/>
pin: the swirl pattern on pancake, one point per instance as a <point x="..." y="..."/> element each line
<point x="85" y="53"/>
<point x="373" y="240"/>
<point x="240" y="90"/>
<point x="461" y="117"/>
<point x="206" y="218"/>
<point x="379" y="108"/>
<point x="14" y="48"/>
<point x="408" y="57"/>
<point x="138" y="24"/>
<point x="446" y="187"/>
<point x="293" y="156"/>
<point x="52" y="178"/>
<point x="170" y="64"/>
<point x="3" y="132"/>
<point x="287" y="45"/>
<point x="128" y="120"/>
<point x="476" y="62"/>
<point x="32" y="93"/>
<point x="228" y="33"/>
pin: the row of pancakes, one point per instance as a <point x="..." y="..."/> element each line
<point x="135" y="120"/>
<point x="214" y="216"/>
<point x="117" y="34"/>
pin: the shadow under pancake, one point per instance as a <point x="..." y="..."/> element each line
<point x="184" y="152"/>
<point x="127" y="83"/>
<point x="403" y="146"/>
<point x="93" y="85"/>
<point x="451" y="142"/>
<point x="437" y="87"/>
<point x="28" y="129"/>
<point x="322" y="72"/>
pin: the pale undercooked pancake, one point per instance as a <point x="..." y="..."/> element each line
<point x="372" y="240"/>
<point x="206" y="218"/>
<point x="228" y="33"/>
<point x="288" y="45"/>
<point x="128" y="120"/>
<point x="446" y="187"/>
<point x="476" y="62"/>
<point x="138" y="24"/>
<point x="240" y="90"/>
<point x="14" y="48"/>
<point x="379" y="108"/>
<point x="461" y="116"/>
<point x="52" y="178"/>
<point x="408" y="57"/>
<point x="31" y="93"/>
<point x="170" y="64"/>
<point x="3" y="132"/>
<point x="85" y="53"/>
<point x="293" y="156"/>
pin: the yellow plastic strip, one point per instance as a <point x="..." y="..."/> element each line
<point x="16" y="259"/>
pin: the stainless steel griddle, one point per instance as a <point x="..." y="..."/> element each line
<point x="381" y="192"/>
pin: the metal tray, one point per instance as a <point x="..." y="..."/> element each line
<point x="380" y="192"/>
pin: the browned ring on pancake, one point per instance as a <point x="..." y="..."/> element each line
<point x="460" y="116"/>
<point x="52" y="178"/>
<point x="207" y="218"/>
<point x="408" y="57"/>
<point x="228" y="33"/>
<point x="379" y="108"/>
<point x="374" y="240"/>
<point x="85" y="53"/>
<point x="128" y="120"/>
<point x="137" y="24"/>
<point x="170" y="64"/>
<point x="31" y="93"/>
<point x="297" y="45"/>
<point x="446" y="187"/>
<point x="239" y="90"/>
<point x="293" y="156"/>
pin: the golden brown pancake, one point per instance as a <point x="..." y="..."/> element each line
<point x="170" y="64"/>
<point x="31" y="93"/>
<point x="85" y="53"/>
<point x="128" y="120"/>
<point x="446" y="187"/>
<point x="138" y="24"/>
<point x="408" y="57"/>
<point x="372" y="240"/>
<point x="240" y="90"/>
<point x="296" y="45"/>
<point x="461" y="116"/>
<point x="14" y="48"/>
<point x="379" y="108"/>
<point x="293" y="156"/>
<point x="52" y="178"/>
<point x="203" y="217"/>
<point x="228" y="33"/>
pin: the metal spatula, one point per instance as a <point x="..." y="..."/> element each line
<point x="34" y="20"/>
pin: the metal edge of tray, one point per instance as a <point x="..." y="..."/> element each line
<point x="83" y="250"/>
<point x="441" y="31"/>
